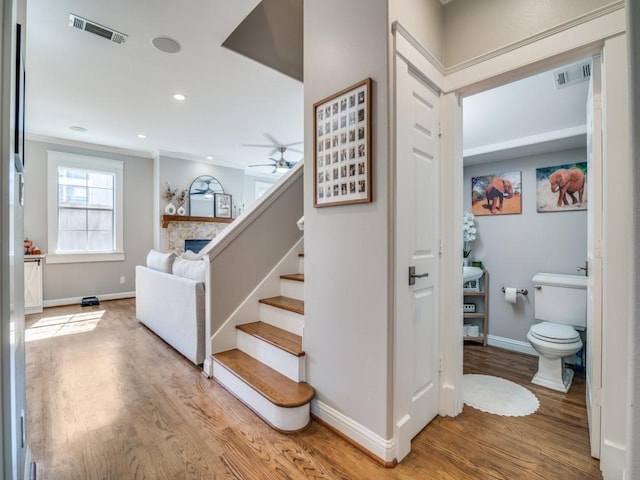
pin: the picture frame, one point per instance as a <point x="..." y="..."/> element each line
<point x="497" y="194"/>
<point x="342" y="145"/>
<point x="222" y="202"/>
<point x="562" y="188"/>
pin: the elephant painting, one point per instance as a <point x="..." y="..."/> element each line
<point x="561" y="188"/>
<point x="567" y="182"/>
<point x="495" y="193"/>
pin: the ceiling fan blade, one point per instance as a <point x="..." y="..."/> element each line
<point x="294" y="150"/>
<point x="263" y="145"/>
<point x="290" y="144"/>
<point x="274" y="142"/>
<point x="263" y="165"/>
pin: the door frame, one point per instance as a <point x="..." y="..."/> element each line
<point x="496" y="71"/>
<point x="545" y="52"/>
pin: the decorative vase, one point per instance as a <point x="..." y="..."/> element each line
<point x="181" y="210"/>
<point x="466" y="261"/>
<point x="170" y="209"/>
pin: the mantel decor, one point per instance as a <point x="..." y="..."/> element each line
<point x="342" y="147"/>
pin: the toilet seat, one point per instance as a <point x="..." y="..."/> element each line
<point x="554" y="333"/>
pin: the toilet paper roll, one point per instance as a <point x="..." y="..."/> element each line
<point x="510" y="295"/>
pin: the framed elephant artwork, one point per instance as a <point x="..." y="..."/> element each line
<point x="499" y="194"/>
<point x="562" y="188"/>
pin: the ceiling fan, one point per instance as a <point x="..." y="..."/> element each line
<point x="275" y="145"/>
<point x="280" y="165"/>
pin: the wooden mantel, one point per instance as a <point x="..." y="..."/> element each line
<point x="184" y="218"/>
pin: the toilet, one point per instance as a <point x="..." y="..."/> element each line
<point x="560" y="306"/>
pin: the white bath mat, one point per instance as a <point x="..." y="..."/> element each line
<point x="498" y="396"/>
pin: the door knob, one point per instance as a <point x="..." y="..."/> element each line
<point x="413" y="275"/>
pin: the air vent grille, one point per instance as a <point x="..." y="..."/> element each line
<point x="97" y="29"/>
<point x="572" y="74"/>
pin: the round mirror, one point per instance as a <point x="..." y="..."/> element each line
<point x="201" y="196"/>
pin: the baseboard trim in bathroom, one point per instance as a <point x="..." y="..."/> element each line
<point x="510" y="344"/>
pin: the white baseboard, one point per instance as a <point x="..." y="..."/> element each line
<point x="59" y="302"/>
<point x="207" y="367"/>
<point x="378" y="446"/>
<point x="510" y="344"/>
<point x="612" y="459"/>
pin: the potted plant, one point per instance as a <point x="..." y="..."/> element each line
<point x="469" y="233"/>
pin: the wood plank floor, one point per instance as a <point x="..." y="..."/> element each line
<point x="107" y="399"/>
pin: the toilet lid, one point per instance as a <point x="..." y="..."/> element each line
<point x="554" y="332"/>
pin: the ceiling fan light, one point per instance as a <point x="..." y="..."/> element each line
<point x="208" y="194"/>
<point x="281" y="169"/>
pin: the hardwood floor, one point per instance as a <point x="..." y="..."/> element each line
<point x="107" y="399"/>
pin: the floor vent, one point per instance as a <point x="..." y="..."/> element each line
<point x="572" y="74"/>
<point x="97" y="29"/>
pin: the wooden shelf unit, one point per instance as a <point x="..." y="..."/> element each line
<point x="481" y="315"/>
<point x="186" y="218"/>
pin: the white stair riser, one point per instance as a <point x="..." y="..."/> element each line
<point x="283" y="362"/>
<point x="301" y="264"/>
<point x="292" y="289"/>
<point x="290" y="321"/>
<point x="284" y="419"/>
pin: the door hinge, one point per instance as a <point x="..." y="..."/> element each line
<point x="441" y="368"/>
<point x="439" y="130"/>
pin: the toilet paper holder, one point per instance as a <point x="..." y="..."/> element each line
<point x="522" y="291"/>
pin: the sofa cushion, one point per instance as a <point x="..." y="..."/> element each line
<point x="193" y="269"/>
<point x="163" y="262"/>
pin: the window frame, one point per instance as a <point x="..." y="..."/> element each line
<point x="58" y="159"/>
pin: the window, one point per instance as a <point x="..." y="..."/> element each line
<point x="85" y="208"/>
<point x="260" y="188"/>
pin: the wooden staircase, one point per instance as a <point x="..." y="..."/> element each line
<point x="266" y="370"/>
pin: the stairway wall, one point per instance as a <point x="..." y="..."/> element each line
<point x="261" y="237"/>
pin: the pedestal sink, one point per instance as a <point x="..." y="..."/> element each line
<point x="471" y="273"/>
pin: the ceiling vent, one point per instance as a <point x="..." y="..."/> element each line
<point x="572" y="74"/>
<point x="95" y="28"/>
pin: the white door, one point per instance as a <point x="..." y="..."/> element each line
<point x="417" y="353"/>
<point x="594" y="257"/>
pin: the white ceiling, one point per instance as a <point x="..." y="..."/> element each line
<point x="75" y="78"/>
<point x="526" y="117"/>
<point x="116" y="91"/>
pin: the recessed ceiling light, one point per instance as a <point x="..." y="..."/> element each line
<point x="166" y="44"/>
<point x="209" y="157"/>
<point x="179" y="96"/>
<point x="142" y="135"/>
<point x="77" y="128"/>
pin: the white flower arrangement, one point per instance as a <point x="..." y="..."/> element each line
<point x="469" y="232"/>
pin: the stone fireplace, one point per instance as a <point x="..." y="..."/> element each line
<point x="179" y="231"/>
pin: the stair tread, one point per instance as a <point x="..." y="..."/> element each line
<point x="287" y="341"/>
<point x="274" y="386"/>
<point x="296" y="277"/>
<point x="286" y="303"/>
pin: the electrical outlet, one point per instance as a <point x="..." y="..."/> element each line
<point x="122" y="280"/>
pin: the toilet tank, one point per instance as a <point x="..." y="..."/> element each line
<point x="560" y="298"/>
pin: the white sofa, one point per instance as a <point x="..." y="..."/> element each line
<point x="170" y="301"/>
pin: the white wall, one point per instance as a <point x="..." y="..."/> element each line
<point x="473" y="28"/>
<point x="347" y="338"/>
<point x="73" y="280"/>
<point x="423" y="18"/>
<point x="180" y="173"/>
<point x="515" y="247"/>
